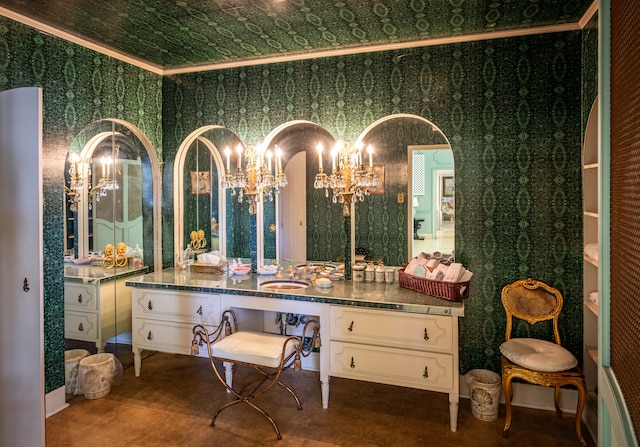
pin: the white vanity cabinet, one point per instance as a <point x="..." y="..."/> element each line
<point x="163" y="320"/>
<point x="93" y="312"/>
<point x="396" y="348"/>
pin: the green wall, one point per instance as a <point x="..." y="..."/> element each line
<point x="512" y="110"/>
<point x="79" y="86"/>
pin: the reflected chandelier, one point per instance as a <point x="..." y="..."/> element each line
<point x="77" y="180"/>
<point x="349" y="179"/>
<point x="258" y="178"/>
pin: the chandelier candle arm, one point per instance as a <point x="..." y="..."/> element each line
<point x="348" y="181"/>
<point x="256" y="180"/>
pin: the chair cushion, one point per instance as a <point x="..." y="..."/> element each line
<point x="252" y="347"/>
<point x="540" y="355"/>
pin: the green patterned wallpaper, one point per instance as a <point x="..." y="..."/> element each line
<point x="184" y="33"/>
<point x="512" y="111"/>
<point x="79" y="87"/>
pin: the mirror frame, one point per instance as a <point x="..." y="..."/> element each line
<point x="178" y="186"/>
<point x="88" y="148"/>
<point x="409" y="175"/>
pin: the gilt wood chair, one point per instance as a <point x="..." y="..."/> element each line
<point x="538" y="361"/>
<point x="268" y="354"/>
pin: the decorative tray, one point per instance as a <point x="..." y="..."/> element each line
<point x="210" y="268"/>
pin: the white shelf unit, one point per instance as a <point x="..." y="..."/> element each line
<point x="591" y="219"/>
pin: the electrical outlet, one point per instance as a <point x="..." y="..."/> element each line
<point x="400" y="197"/>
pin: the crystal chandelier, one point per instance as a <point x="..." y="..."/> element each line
<point x="258" y="177"/>
<point x="78" y="179"/>
<point x="349" y="179"/>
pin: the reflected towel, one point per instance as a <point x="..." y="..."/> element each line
<point x="415" y="262"/>
<point x="593" y="297"/>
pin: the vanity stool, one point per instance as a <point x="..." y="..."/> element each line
<point x="269" y="354"/>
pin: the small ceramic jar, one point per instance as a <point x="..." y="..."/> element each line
<point x="370" y="273"/>
<point x="357" y="273"/>
<point x="380" y="273"/>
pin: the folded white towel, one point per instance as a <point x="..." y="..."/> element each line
<point x="421" y="271"/>
<point x="415" y="262"/>
<point x="441" y="272"/>
<point x="591" y="250"/>
<point x="593" y="297"/>
<point x="432" y="264"/>
<point x="454" y="272"/>
<point x="466" y="276"/>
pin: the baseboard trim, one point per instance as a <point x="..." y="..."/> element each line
<point x="55" y="401"/>
<point x="533" y="396"/>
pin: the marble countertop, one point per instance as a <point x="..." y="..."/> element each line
<point x="91" y="274"/>
<point x="342" y="292"/>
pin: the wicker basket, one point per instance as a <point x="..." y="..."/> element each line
<point x="451" y="291"/>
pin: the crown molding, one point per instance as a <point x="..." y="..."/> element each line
<point x="163" y="71"/>
<point x="47" y="29"/>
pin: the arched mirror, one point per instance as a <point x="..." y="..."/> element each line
<point x="112" y="231"/>
<point x="299" y="223"/>
<point x="414" y="202"/>
<point x="207" y="217"/>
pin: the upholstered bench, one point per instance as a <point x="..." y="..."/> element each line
<point x="268" y="354"/>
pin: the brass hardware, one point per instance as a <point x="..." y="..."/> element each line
<point x="426" y="334"/>
<point x="272" y="228"/>
<point x="149" y="336"/>
<point x="425" y="374"/>
<point x="25" y="285"/>
<point x="198" y="241"/>
<point x="350" y="328"/>
<point x="150" y="305"/>
<point x="80" y="327"/>
<point x="353" y="364"/>
<point x="80" y="298"/>
<point x="199" y="311"/>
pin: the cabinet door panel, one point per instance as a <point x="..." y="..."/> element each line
<point x="425" y="370"/>
<point x="177" y="306"/>
<point x="81" y="326"/>
<point x="165" y="336"/>
<point x="80" y="296"/>
<point x="395" y="329"/>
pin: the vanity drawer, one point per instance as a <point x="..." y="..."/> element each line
<point x="81" y="326"/>
<point x="80" y="296"/>
<point x="416" y="369"/>
<point x="388" y="328"/>
<point x="176" y="306"/>
<point x="165" y="336"/>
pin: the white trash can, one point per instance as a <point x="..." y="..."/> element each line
<point x="485" y="387"/>
<point x="95" y="375"/>
<point x="71" y="361"/>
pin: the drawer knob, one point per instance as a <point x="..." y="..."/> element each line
<point x="425" y="374"/>
<point x="80" y="327"/>
<point x="426" y="334"/>
<point x="149" y="336"/>
<point x="199" y="311"/>
<point x="80" y="298"/>
<point x="353" y="364"/>
<point x="150" y="305"/>
<point x="350" y="328"/>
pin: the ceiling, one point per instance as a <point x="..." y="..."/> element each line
<point x="188" y="35"/>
